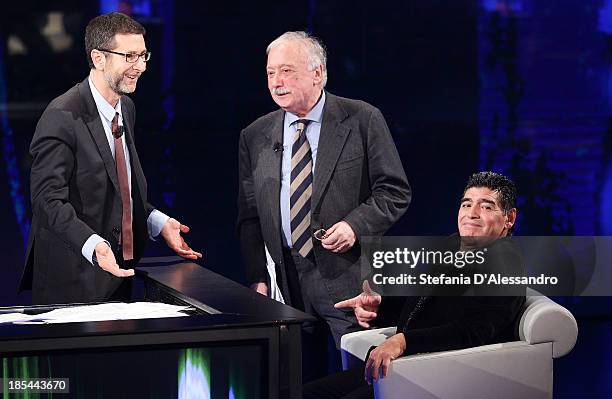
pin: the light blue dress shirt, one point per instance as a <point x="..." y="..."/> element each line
<point x="313" y="131"/>
<point x="156" y="219"/>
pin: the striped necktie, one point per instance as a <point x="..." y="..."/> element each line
<point x="301" y="190"/>
<point x="127" y="237"/>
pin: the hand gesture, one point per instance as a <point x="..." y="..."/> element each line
<point x="365" y="305"/>
<point x="172" y="234"/>
<point x="106" y="260"/>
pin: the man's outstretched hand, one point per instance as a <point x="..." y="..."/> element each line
<point x="106" y="260"/>
<point x="172" y="234"/>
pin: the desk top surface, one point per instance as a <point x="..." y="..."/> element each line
<point x="232" y="306"/>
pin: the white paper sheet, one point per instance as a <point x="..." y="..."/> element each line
<point x="104" y="311"/>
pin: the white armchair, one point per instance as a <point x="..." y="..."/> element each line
<point x="520" y="369"/>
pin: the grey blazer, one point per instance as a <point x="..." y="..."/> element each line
<point x="358" y="178"/>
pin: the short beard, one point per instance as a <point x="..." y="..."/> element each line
<point x="115" y="82"/>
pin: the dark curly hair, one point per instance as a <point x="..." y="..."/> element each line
<point x="496" y="182"/>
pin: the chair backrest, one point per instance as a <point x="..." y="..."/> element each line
<point x="544" y="320"/>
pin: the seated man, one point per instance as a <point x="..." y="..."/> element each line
<point x="436" y="323"/>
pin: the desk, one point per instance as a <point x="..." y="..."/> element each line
<point x="232" y="322"/>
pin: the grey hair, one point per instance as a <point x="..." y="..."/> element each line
<point x="315" y="50"/>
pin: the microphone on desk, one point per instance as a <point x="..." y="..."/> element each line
<point x="278" y="147"/>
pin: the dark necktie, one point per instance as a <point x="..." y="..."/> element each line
<point x="301" y="190"/>
<point x="127" y="238"/>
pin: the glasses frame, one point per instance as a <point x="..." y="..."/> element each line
<point x="320" y="234"/>
<point x="146" y="56"/>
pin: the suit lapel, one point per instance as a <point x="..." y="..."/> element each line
<point x="331" y="141"/>
<point x="91" y="118"/>
<point x="272" y="172"/>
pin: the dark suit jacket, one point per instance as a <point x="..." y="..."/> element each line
<point x="75" y="193"/>
<point x="358" y="178"/>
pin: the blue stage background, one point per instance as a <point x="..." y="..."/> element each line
<point x="523" y="87"/>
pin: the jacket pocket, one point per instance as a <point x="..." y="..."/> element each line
<point x="350" y="163"/>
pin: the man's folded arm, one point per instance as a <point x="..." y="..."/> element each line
<point x="483" y="321"/>
<point x="390" y="191"/>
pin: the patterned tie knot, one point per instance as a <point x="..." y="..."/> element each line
<point x="116" y="129"/>
<point x="300" y="125"/>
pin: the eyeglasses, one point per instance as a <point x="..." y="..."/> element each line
<point x="131" y="57"/>
<point x="320" y="234"/>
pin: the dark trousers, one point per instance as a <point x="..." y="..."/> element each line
<point x="307" y="292"/>
<point x="348" y="384"/>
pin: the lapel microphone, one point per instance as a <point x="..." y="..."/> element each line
<point x="278" y="147"/>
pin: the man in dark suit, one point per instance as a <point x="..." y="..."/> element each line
<point x="315" y="176"/>
<point x="486" y="217"/>
<point x="91" y="217"/>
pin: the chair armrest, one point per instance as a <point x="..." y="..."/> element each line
<point x="357" y="344"/>
<point x="508" y="370"/>
<point x="546" y="321"/>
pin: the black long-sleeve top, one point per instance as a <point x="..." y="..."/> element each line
<point x="457" y="322"/>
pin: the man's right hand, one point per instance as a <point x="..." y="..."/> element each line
<point x="365" y="305"/>
<point x="106" y="260"/>
<point x="260" y="287"/>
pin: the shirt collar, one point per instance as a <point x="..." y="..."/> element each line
<point x="315" y="114"/>
<point x="103" y="106"/>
